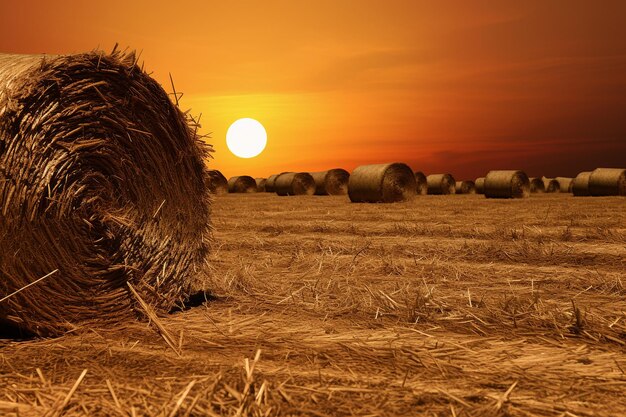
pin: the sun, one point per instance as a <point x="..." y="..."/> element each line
<point x="246" y="138"/>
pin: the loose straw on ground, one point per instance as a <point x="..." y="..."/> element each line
<point x="102" y="178"/>
<point x="507" y="184"/>
<point x="294" y="183"/>
<point x="441" y="184"/>
<point x="385" y="183"/>
<point x="331" y="182"/>
<point x="241" y="184"/>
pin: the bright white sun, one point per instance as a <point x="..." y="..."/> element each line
<point x="246" y="138"/>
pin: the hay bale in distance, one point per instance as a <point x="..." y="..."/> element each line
<point x="507" y="184"/>
<point x="441" y="184"/>
<point x="565" y="184"/>
<point x="102" y="179"/>
<point x="551" y="185"/>
<point x="269" y="183"/>
<point x="218" y="184"/>
<point x="607" y="182"/>
<point x="241" y="184"/>
<point x="331" y="182"/>
<point x="382" y="183"/>
<point x="294" y="183"/>
<point x="580" y="185"/>
<point x="260" y="184"/>
<point x="465" y="187"/>
<point x="422" y="184"/>
<point x="536" y="185"/>
<point x="480" y="185"/>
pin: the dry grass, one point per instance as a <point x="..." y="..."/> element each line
<point x="439" y="306"/>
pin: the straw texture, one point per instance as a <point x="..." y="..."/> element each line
<point x="507" y="184"/>
<point x="536" y="185"/>
<point x="331" y="182"/>
<point x="480" y="185"/>
<point x="241" y="184"/>
<point x="294" y="183"/>
<point x="580" y="185"/>
<point x="260" y="184"/>
<point x="384" y="183"/>
<point x="551" y="185"/>
<point x="101" y="178"/>
<point x="441" y="184"/>
<point x="565" y="184"/>
<point x="607" y="182"/>
<point x="218" y="184"/>
<point x="422" y="184"/>
<point x="465" y="187"/>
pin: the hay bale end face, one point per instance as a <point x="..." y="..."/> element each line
<point x="218" y="184"/>
<point x="607" y="182"/>
<point x="480" y="185"/>
<point x="536" y="185"/>
<point x="551" y="185"/>
<point x="441" y="184"/>
<point x="260" y="184"/>
<point x="580" y="185"/>
<point x="103" y="180"/>
<point x="331" y="182"/>
<point x="422" y="184"/>
<point x="465" y="187"/>
<point x="565" y="184"/>
<point x="241" y="184"/>
<point x="294" y="183"/>
<point x="507" y="184"/>
<point x="382" y="183"/>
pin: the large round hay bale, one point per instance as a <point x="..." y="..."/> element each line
<point x="580" y="185"/>
<point x="480" y="185"/>
<point x="607" y="182"/>
<point x="331" y="182"/>
<point x="551" y="185"/>
<point x="382" y="183"/>
<point x="260" y="184"/>
<point x="294" y="183"/>
<point x="565" y="184"/>
<point x="441" y="184"/>
<point x="536" y="185"/>
<point x="241" y="184"/>
<point x="465" y="187"/>
<point x="271" y="180"/>
<point x="422" y="184"/>
<point x="102" y="184"/>
<point x="218" y="184"/>
<point x="507" y="184"/>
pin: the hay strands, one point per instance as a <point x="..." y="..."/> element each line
<point x="28" y="285"/>
<point x="154" y="319"/>
<point x="58" y="411"/>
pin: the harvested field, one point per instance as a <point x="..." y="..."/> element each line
<point x="438" y="306"/>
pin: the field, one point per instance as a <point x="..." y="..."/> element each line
<point x="443" y="306"/>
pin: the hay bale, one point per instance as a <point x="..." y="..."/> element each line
<point x="271" y="180"/>
<point x="580" y="185"/>
<point x="441" y="184"/>
<point x="422" y="184"/>
<point x="507" y="184"/>
<point x="536" y="185"/>
<point x="480" y="185"/>
<point x="565" y="184"/>
<point x="551" y="185"/>
<point x="294" y="183"/>
<point x="331" y="182"/>
<point x="241" y="184"/>
<point x="218" y="184"/>
<point x="607" y="182"/>
<point x="465" y="187"/>
<point x="260" y="184"/>
<point x="385" y="183"/>
<point x="102" y="179"/>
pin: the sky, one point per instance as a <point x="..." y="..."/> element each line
<point x="445" y="86"/>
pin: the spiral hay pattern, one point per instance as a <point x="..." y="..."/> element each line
<point x="422" y="184"/>
<point x="551" y="185"/>
<point x="607" y="182"/>
<point x="536" y="185"/>
<point x="507" y="184"/>
<point x="241" y="184"/>
<point x="331" y="182"/>
<point x="101" y="178"/>
<point x="441" y="184"/>
<point x="382" y="183"/>
<point x="465" y="187"/>
<point x="294" y="183"/>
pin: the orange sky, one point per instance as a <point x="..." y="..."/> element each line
<point x="456" y="86"/>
